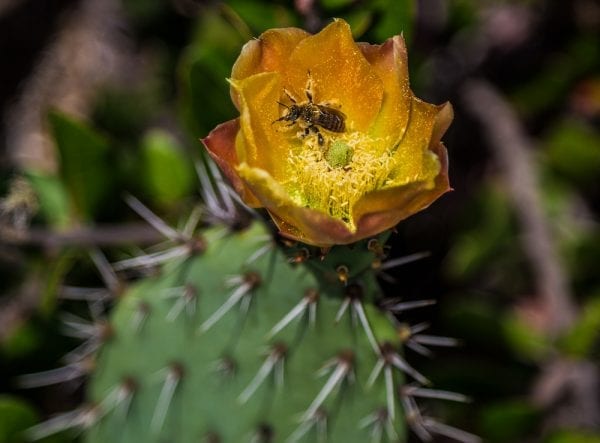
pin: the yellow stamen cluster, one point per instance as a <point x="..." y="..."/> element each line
<point x="316" y="183"/>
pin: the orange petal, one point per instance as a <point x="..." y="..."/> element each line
<point x="426" y="125"/>
<point x="389" y="62"/>
<point x="340" y="74"/>
<point x="383" y="209"/>
<point x="265" y="145"/>
<point x="295" y="222"/>
<point x="269" y="52"/>
<point x="220" y="144"/>
<point x="443" y="119"/>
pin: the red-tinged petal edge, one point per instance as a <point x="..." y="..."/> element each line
<point x="220" y="144"/>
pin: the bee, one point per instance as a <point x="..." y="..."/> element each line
<point x="313" y="116"/>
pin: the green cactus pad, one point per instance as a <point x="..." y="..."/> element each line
<point x="174" y="372"/>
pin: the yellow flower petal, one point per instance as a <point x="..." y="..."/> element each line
<point x="295" y="222"/>
<point x="340" y="74"/>
<point x="265" y="146"/>
<point x="322" y="185"/>
<point x="269" y="52"/>
<point x="382" y="209"/>
<point x="412" y="157"/>
<point x="389" y="62"/>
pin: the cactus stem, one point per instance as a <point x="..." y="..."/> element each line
<point x="275" y="361"/>
<point x="172" y="379"/>
<point x="418" y="391"/>
<point x="342" y="371"/>
<point x="187" y="297"/>
<point x="309" y="301"/>
<point x="248" y="283"/>
<point x="318" y="420"/>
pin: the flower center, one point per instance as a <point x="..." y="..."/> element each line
<point x="331" y="177"/>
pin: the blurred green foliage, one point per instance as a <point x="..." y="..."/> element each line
<point x="15" y="417"/>
<point x="84" y="164"/>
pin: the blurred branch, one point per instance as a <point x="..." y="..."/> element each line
<point x="309" y="10"/>
<point x="90" y="49"/>
<point x="17" y="308"/>
<point x="569" y="387"/>
<point x="110" y="235"/>
<point x="512" y="149"/>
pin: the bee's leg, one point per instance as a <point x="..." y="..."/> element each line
<point x="320" y="139"/>
<point x="332" y="104"/>
<point x="292" y="99"/>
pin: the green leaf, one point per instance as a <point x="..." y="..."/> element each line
<point x="84" y="163"/>
<point x="204" y="68"/>
<point x="259" y="16"/>
<point x="22" y="340"/>
<point x="528" y="343"/>
<point x="508" y="421"/>
<point x="333" y="4"/>
<point x="53" y="198"/>
<point x="15" y="417"/>
<point x="166" y="170"/>
<point x="395" y="17"/>
<point x="574" y="437"/>
<point x="582" y="340"/>
<point x="573" y="150"/>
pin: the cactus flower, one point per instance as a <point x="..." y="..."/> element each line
<point x="330" y="138"/>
